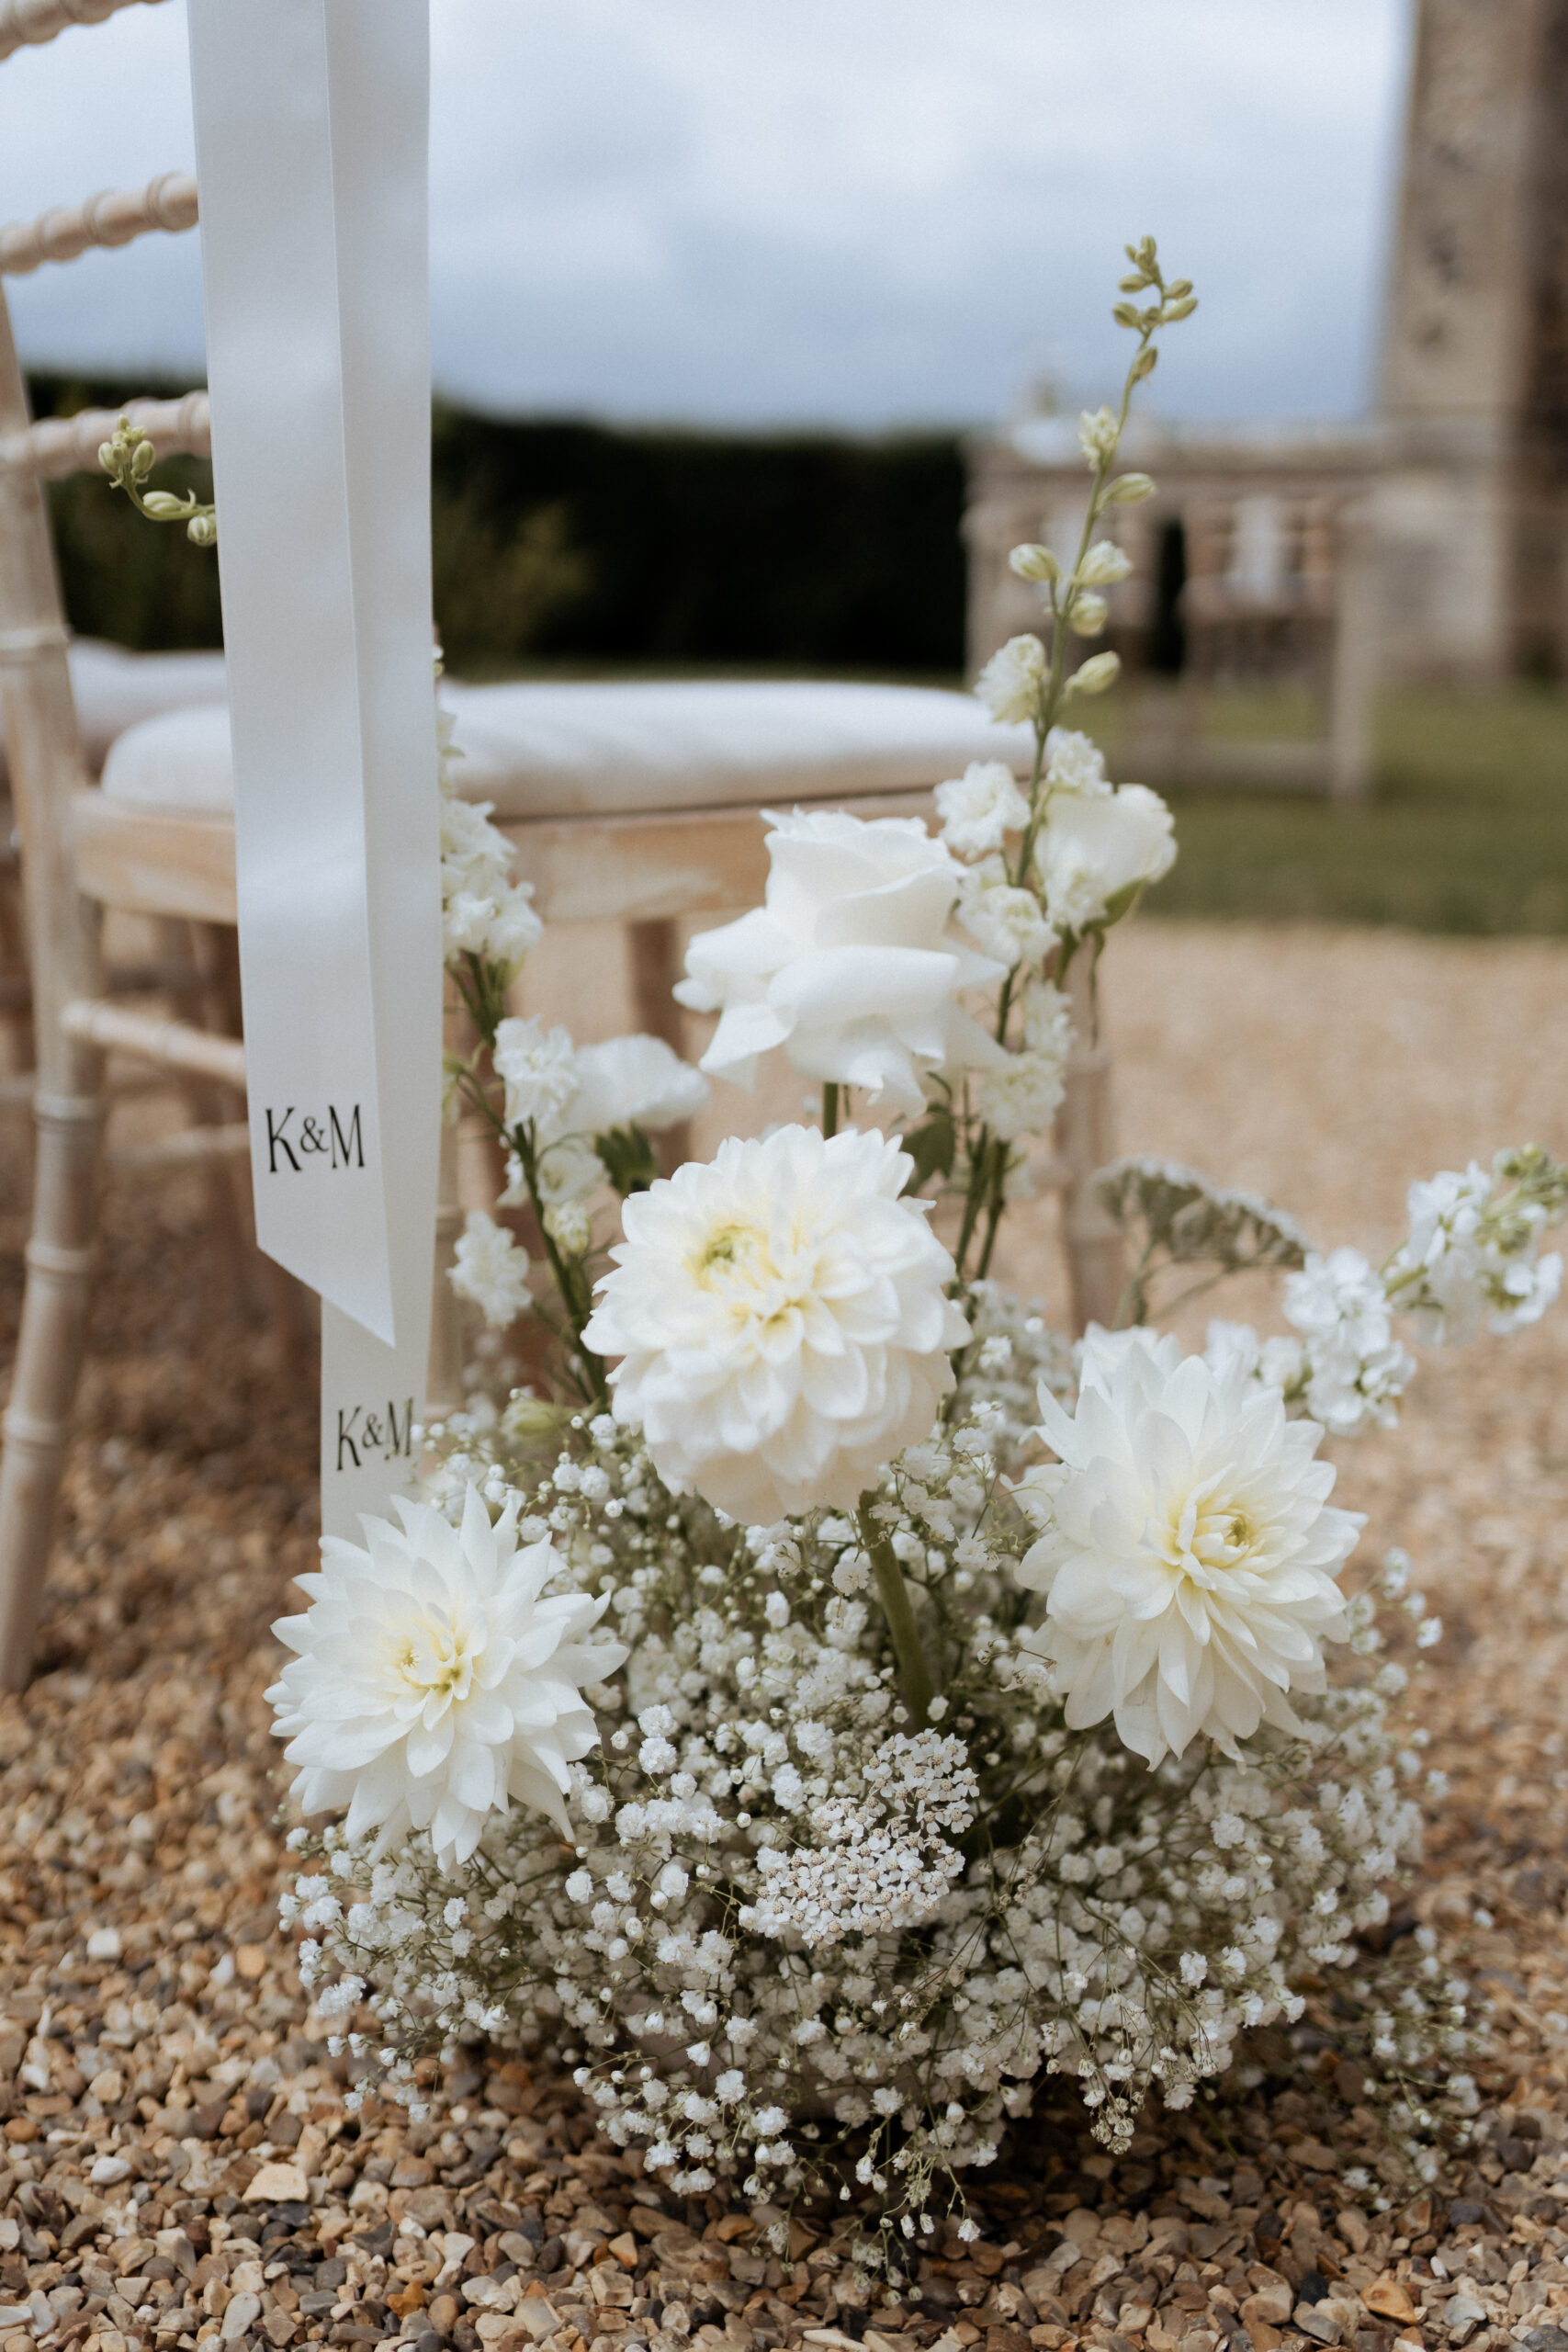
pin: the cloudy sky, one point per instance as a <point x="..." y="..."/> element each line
<point x="860" y="212"/>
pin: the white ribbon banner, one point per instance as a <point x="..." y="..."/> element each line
<point x="312" y="121"/>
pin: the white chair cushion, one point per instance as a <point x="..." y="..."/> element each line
<point x="599" y="749"/>
<point x="114" y="689"/>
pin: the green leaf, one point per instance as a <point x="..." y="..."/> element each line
<point x="628" y="1159"/>
<point x="933" y="1147"/>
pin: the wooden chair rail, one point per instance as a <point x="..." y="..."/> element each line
<point x="69" y="445"/>
<point x="24" y="24"/>
<point x="111" y="217"/>
<point x="187" y="1147"/>
<point x="173" y="1044"/>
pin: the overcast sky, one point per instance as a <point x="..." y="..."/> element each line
<point x="861" y="212"/>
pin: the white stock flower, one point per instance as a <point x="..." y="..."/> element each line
<point x="1471" y="1255"/>
<point x="1010" y="683"/>
<point x="1096" y="853"/>
<point x="433" y="1686"/>
<point x="1007" y="922"/>
<point x="568" y="1169"/>
<point x="483" y="911"/>
<point x="1190" y="1552"/>
<point x="1356" y="1369"/>
<point x="537" y="1068"/>
<point x="848" y="963"/>
<point x="1075" y="762"/>
<point x="1047" y="1019"/>
<point x="490" y="1268"/>
<point x="1020" y="1096"/>
<point x="980" y="808"/>
<point x="782" y="1317"/>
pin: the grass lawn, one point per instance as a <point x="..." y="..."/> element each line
<point x="1467" y="829"/>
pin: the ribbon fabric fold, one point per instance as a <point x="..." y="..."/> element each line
<point x="311" y="120"/>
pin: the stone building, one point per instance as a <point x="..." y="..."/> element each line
<point x="1431" y="542"/>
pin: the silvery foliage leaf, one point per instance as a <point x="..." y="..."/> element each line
<point x="1184" y="1219"/>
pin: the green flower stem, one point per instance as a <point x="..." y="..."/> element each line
<point x="830" y="1108"/>
<point x="914" y="1674"/>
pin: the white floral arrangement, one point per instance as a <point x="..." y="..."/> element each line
<point x="831" y="1701"/>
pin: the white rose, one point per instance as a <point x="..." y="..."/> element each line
<point x="632" y="1082"/>
<point x="1095" y="854"/>
<point x="848" y="963"/>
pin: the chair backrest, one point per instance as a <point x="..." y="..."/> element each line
<point x="36" y="707"/>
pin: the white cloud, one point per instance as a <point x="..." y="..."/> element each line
<point x="809" y="210"/>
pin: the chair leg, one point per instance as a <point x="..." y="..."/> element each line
<point x="654" y="955"/>
<point x="444" y="1385"/>
<point x="1085" y="1142"/>
<point x="49" y="1363"/>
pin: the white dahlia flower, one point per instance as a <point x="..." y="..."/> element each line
<point x="783" y="1322"/>
<point x="432" y="1687"/>
<point x="848" y="963"/>
<point x="1098" y="850"/>
<point x="1188" y="1551"/>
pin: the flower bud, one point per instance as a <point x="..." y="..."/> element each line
<point x="143" y="460"/>
<point x="1127" y="314"/>
<point x="570" y="1226"/>
<point x="1034" y="563"/>
<point x="162" y="504"/>
<point x="1087" y="613"/>
<point x="108" y="457"/>
<point x="1093" y="676"/>
<point x="1098" y="436"/>
<point x="1103" y="565"/>
<point x="1130" y="490"/>
<point x="1145" y="363"/>
<point x="532" y="1417"/>
<point x="1182" y="308"/>
<point x="202" y="530"/>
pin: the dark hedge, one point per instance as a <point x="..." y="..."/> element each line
<point x="565" y="542"/>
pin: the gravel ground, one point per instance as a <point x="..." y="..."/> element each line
<point x="178" y="2166"/>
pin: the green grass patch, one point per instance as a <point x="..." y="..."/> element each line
<point x="1466" y="831"/>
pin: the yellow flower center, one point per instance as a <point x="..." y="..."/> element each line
<point x="1208" y="1534"/>
<point x="433" y="1658"/>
